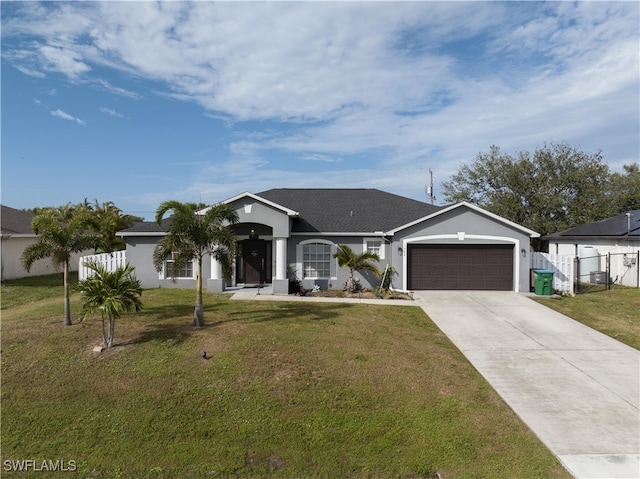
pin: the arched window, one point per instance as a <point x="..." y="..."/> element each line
<point x="315" y="259"/>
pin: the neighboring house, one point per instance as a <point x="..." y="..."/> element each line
<point x="284" y="231"/>
<point x="16" y="235"/>
<point x="616" y="238"/>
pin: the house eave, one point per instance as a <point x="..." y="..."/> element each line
<point x="340" y="233"/>
<point x="141" y="233"/>
<point x="591" y="238"/>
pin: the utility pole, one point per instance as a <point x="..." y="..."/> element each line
<point x="429" y="188"/>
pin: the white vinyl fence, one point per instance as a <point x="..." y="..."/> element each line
<point x="111" y="261"/>
<point x="562" y="267"/>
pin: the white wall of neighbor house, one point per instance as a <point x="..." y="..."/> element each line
<point x="11" y="259"/>
<point x="624" y="265"/>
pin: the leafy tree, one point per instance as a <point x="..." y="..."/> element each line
<point x="192" y="235"/>
<point x="62" y="231"/>
<point x="556" y="188"/>
<point x="110" y="293"/>
<point x="355" y="262"/>
<point x="625" y="189"/>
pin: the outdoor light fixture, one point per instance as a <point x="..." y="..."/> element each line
<point x="400" y="251"/>
<point x="523" y="252"/>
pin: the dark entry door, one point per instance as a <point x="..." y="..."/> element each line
<point x="254" y="254"/>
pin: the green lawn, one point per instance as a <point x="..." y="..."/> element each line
<point x="614" y="312"/>
<point x="298" y="390"/>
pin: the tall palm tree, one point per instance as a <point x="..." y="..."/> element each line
<point x="110" y="293"/>
<point x="355" y="262"/>
<point x="62" y="231"/>
<point x="191" y="236"/>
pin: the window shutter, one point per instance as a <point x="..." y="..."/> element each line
<point x="334" y="261"/>
<point x="299" y="272"/>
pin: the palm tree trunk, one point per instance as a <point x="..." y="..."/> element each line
<point x="198" y="314"/>
<point x="67" y="308"/>
<point x="105" y="341"/>
<point x="112" y="330"/>
<point x="350" y="282"/>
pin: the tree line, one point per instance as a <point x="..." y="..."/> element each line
<point x="555" y="188"/>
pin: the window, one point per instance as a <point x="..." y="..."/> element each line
<point x="374" y="245"/>
<point x="316" y="260"/>
<point x="186" y="272"/>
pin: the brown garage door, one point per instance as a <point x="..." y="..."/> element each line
<point x="488" y="267"/>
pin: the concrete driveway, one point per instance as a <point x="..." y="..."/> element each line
<point x="577" y="389"/>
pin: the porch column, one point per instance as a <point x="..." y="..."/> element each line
<point x="281" y="258"/>
<point x="215" y="284"/>
<point x="216" y="268"/>
<point x="280" y="282"/>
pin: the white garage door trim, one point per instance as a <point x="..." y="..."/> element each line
<point x="461" y="237"/>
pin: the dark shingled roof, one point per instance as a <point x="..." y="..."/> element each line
<point x="619" y="226"/>
<point x="332" y="210"/>
<point x="15" y="221"/>
<point x="329" y="210"/>
<point x="148" y="227"/>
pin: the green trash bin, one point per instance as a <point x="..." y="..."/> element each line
<point x="543" y="281"/>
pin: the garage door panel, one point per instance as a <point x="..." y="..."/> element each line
<point x="464" y="267"/>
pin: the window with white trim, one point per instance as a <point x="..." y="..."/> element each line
<point x="316" y="260"/>
<point x="185" y="272"/>
<point x="374" y="245"/>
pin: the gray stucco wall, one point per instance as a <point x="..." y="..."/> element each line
<point x="250" y="211"/>
<point x="462" y="225"/>
<point x="476" y="228"/>
<point x="140" y="255"/>
<point x="367" y="279"/>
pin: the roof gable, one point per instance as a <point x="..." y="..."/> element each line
<point x="246" y="194"/>
<point x="347" y="210"/>
<point x="15" y="222"/>
<point x="472" y="207"/>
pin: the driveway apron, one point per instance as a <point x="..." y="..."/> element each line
<point x="577" y="389"/>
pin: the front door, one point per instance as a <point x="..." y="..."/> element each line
<point x="254" y="254"/>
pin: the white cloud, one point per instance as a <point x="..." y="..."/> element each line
<point x="63" y="60"/>
<point x="65" y="116"/>
<point x="394" y="81"/>
<point x="110" y="112"/>
<point x="117" y="90"/>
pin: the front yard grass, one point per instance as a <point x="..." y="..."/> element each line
<point x="614" y="312"/>
<point x="298" y="390"/>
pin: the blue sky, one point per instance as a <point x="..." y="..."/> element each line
<point x="140" y="102"/>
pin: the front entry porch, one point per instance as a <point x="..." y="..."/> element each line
<point x="261" y="261"/>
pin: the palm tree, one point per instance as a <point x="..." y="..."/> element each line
<point x="194" y="232"/>
<point x="106" y="220"/>
<point x="110" y="293"/>
<point x="62" y="231"/>
<point x="355" y="262"/>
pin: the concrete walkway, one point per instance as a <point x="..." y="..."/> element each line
<point x="577" y="390"/>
